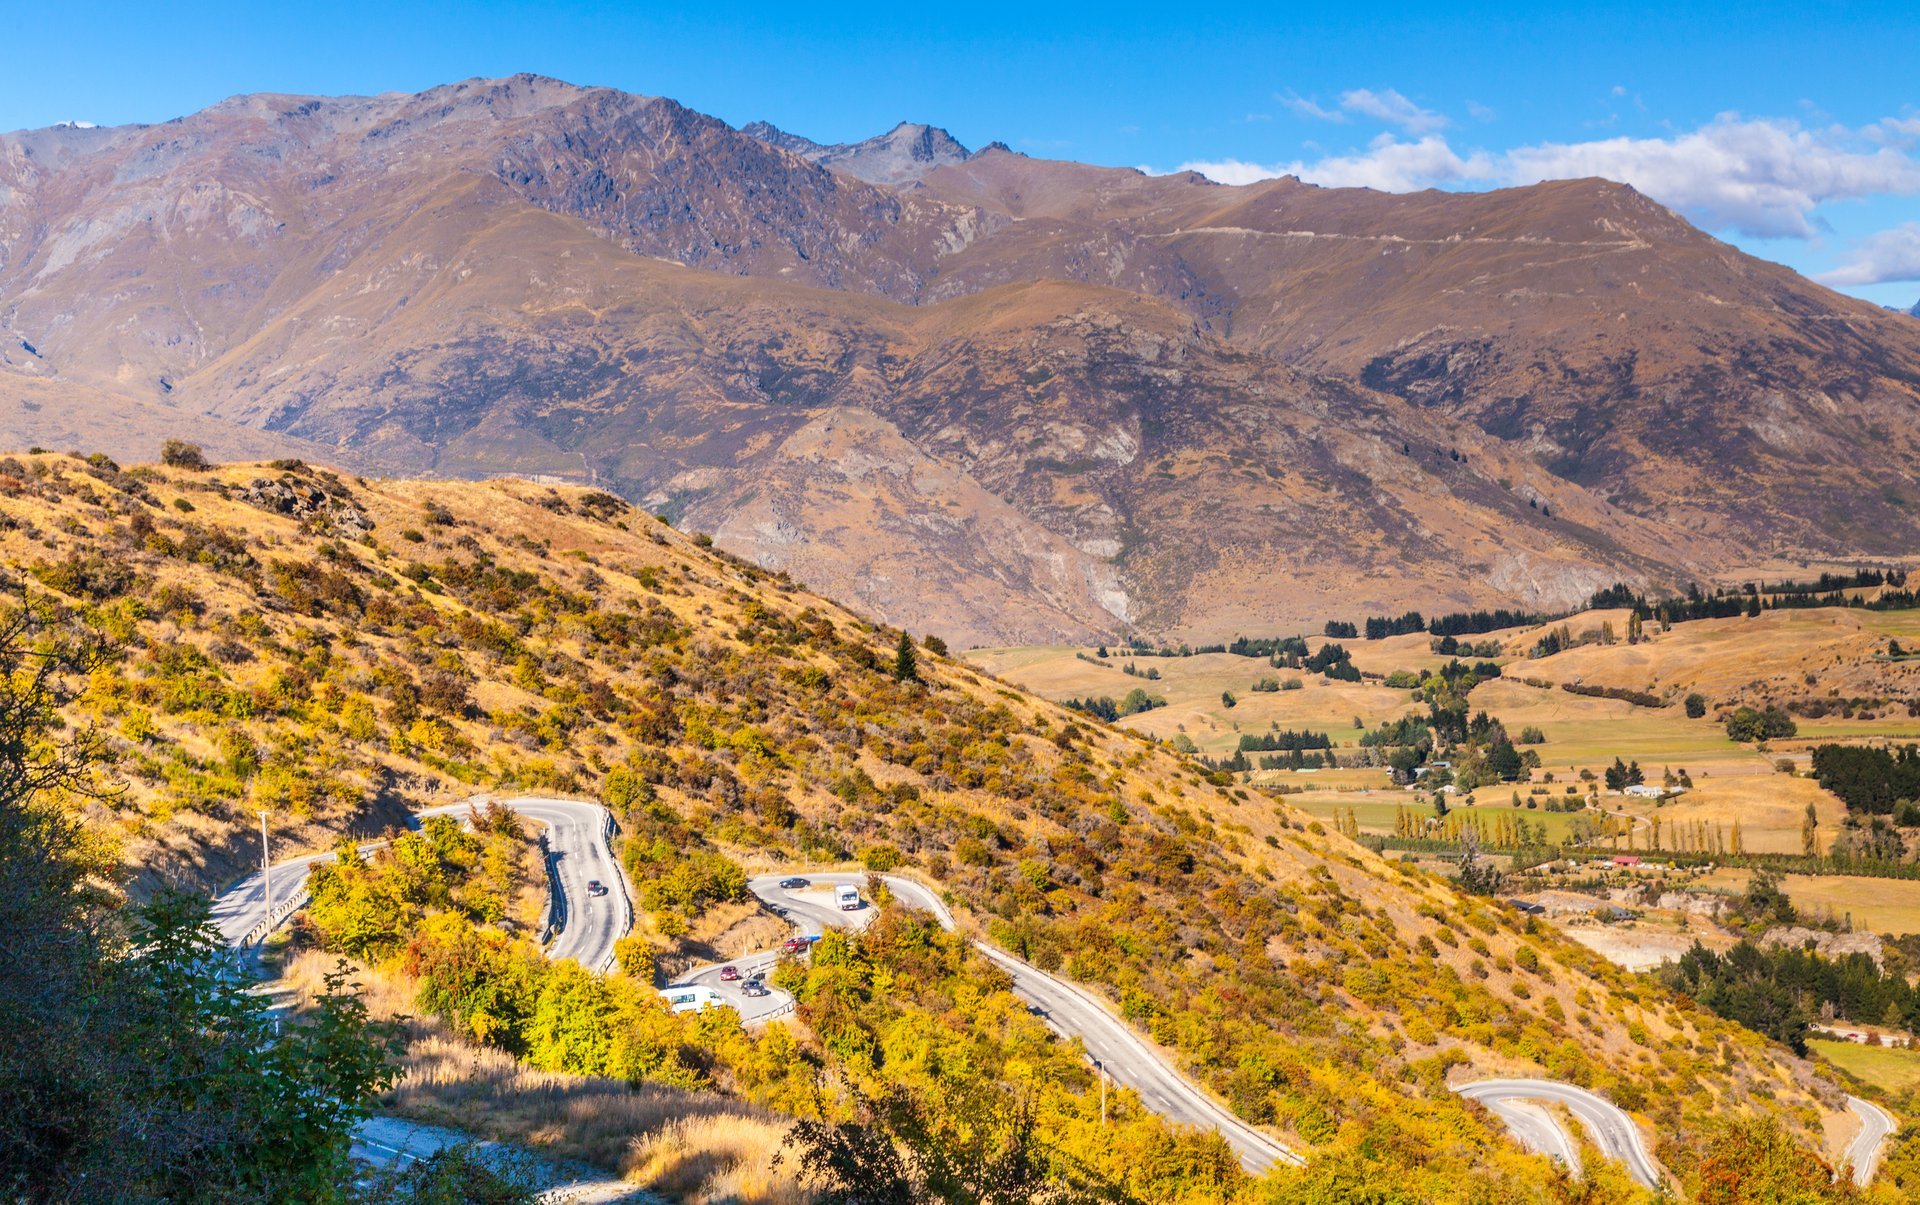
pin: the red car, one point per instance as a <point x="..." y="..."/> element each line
<point x="729" y="974"/>
<point x="795" y="945"/>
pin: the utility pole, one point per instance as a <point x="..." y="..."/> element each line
<point x="266" y="864"/>
<point x="1102" y="1069"/>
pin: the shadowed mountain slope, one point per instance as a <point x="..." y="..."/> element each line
<point x="1005" y="398"/>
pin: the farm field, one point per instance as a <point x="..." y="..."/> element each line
<point x="1893" y="1070"/>
<point x="1731" y="783"/>
<point x="1879" y="905"/>
<point x="1789" y="653"/>
<point x="1375" y="812"/>
<point x="1192" y="687"/>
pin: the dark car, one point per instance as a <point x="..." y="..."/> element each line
<point x="753" y="987"/>
<point x="729" y="973"/>
<point x="596" y="887"/>
<point x="794" y="884"/>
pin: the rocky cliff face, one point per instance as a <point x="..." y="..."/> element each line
<point x="997" y="397"/>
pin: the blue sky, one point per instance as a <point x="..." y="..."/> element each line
<point x="1791" y="130"/>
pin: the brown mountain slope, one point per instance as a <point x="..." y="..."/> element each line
<point x="1008" y="399"/>
<point x="338" y="651"/>
<point x="1592" y="328"/>
<point x="1032" y="463"/>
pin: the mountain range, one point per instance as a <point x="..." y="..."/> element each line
<point x="1000" y="398"/>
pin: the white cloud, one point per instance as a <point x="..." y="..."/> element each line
<point x="1227" y="171"/>
<point x="1760" y="177"/>
<point x="1480" y="112"/>
<point x="1306" y="108"/>
<point x="1391" y="107"/>
<point x="1889" y="256"/>
<point x="1386" y="105"/>
<point x="1387" y="164"/>
<point x="1391" y="165"/>
<point x="1898" y="131"/>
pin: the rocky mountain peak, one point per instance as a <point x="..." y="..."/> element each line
<point x="899" y="156"/>
<point x="773" y="135"/>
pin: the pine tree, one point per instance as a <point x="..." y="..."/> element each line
<point x="906" y="666"/>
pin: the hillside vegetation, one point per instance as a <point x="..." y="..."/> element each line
<point x="338" y="651"/>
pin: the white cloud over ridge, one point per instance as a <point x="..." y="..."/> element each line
<point x="1387" y="164"/>
<point x="1887" y="257"/>
<point x="1761" y="177"/>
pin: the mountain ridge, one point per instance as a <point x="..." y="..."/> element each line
<point x="1045" y="400"/>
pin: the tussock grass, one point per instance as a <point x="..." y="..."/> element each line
<point x="699" y="1147"/>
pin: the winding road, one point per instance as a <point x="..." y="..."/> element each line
<point x="1070" y="1011"/>
<point x="578" y="851"/>
<point x="1876" y="1126"/>
<point x="1517" y="1102"/>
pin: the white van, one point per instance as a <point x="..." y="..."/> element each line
<point x="848" y="897"/>
<point x="691" y="997"/>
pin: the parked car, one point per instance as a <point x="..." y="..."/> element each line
<point x="729" y="974"/>
<point x="794" y="884"/>
<point x="596" y="887"/>
<point x="753" y="987"/>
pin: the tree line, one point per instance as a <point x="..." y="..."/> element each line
<point x="1780" y="991"/>
<point x="1269" y="742"/>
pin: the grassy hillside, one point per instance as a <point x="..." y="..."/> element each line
<point x="338" y="651"/>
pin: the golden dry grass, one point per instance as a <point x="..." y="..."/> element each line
<point x="1790" y="653"/>
<point x="699" y="1147"/>
<point x="1192" y="687"/>
<point x="1878" y="905"/>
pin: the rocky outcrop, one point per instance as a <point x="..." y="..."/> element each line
<point x="1824" y="943"/>
<point x="288" y="495"/>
